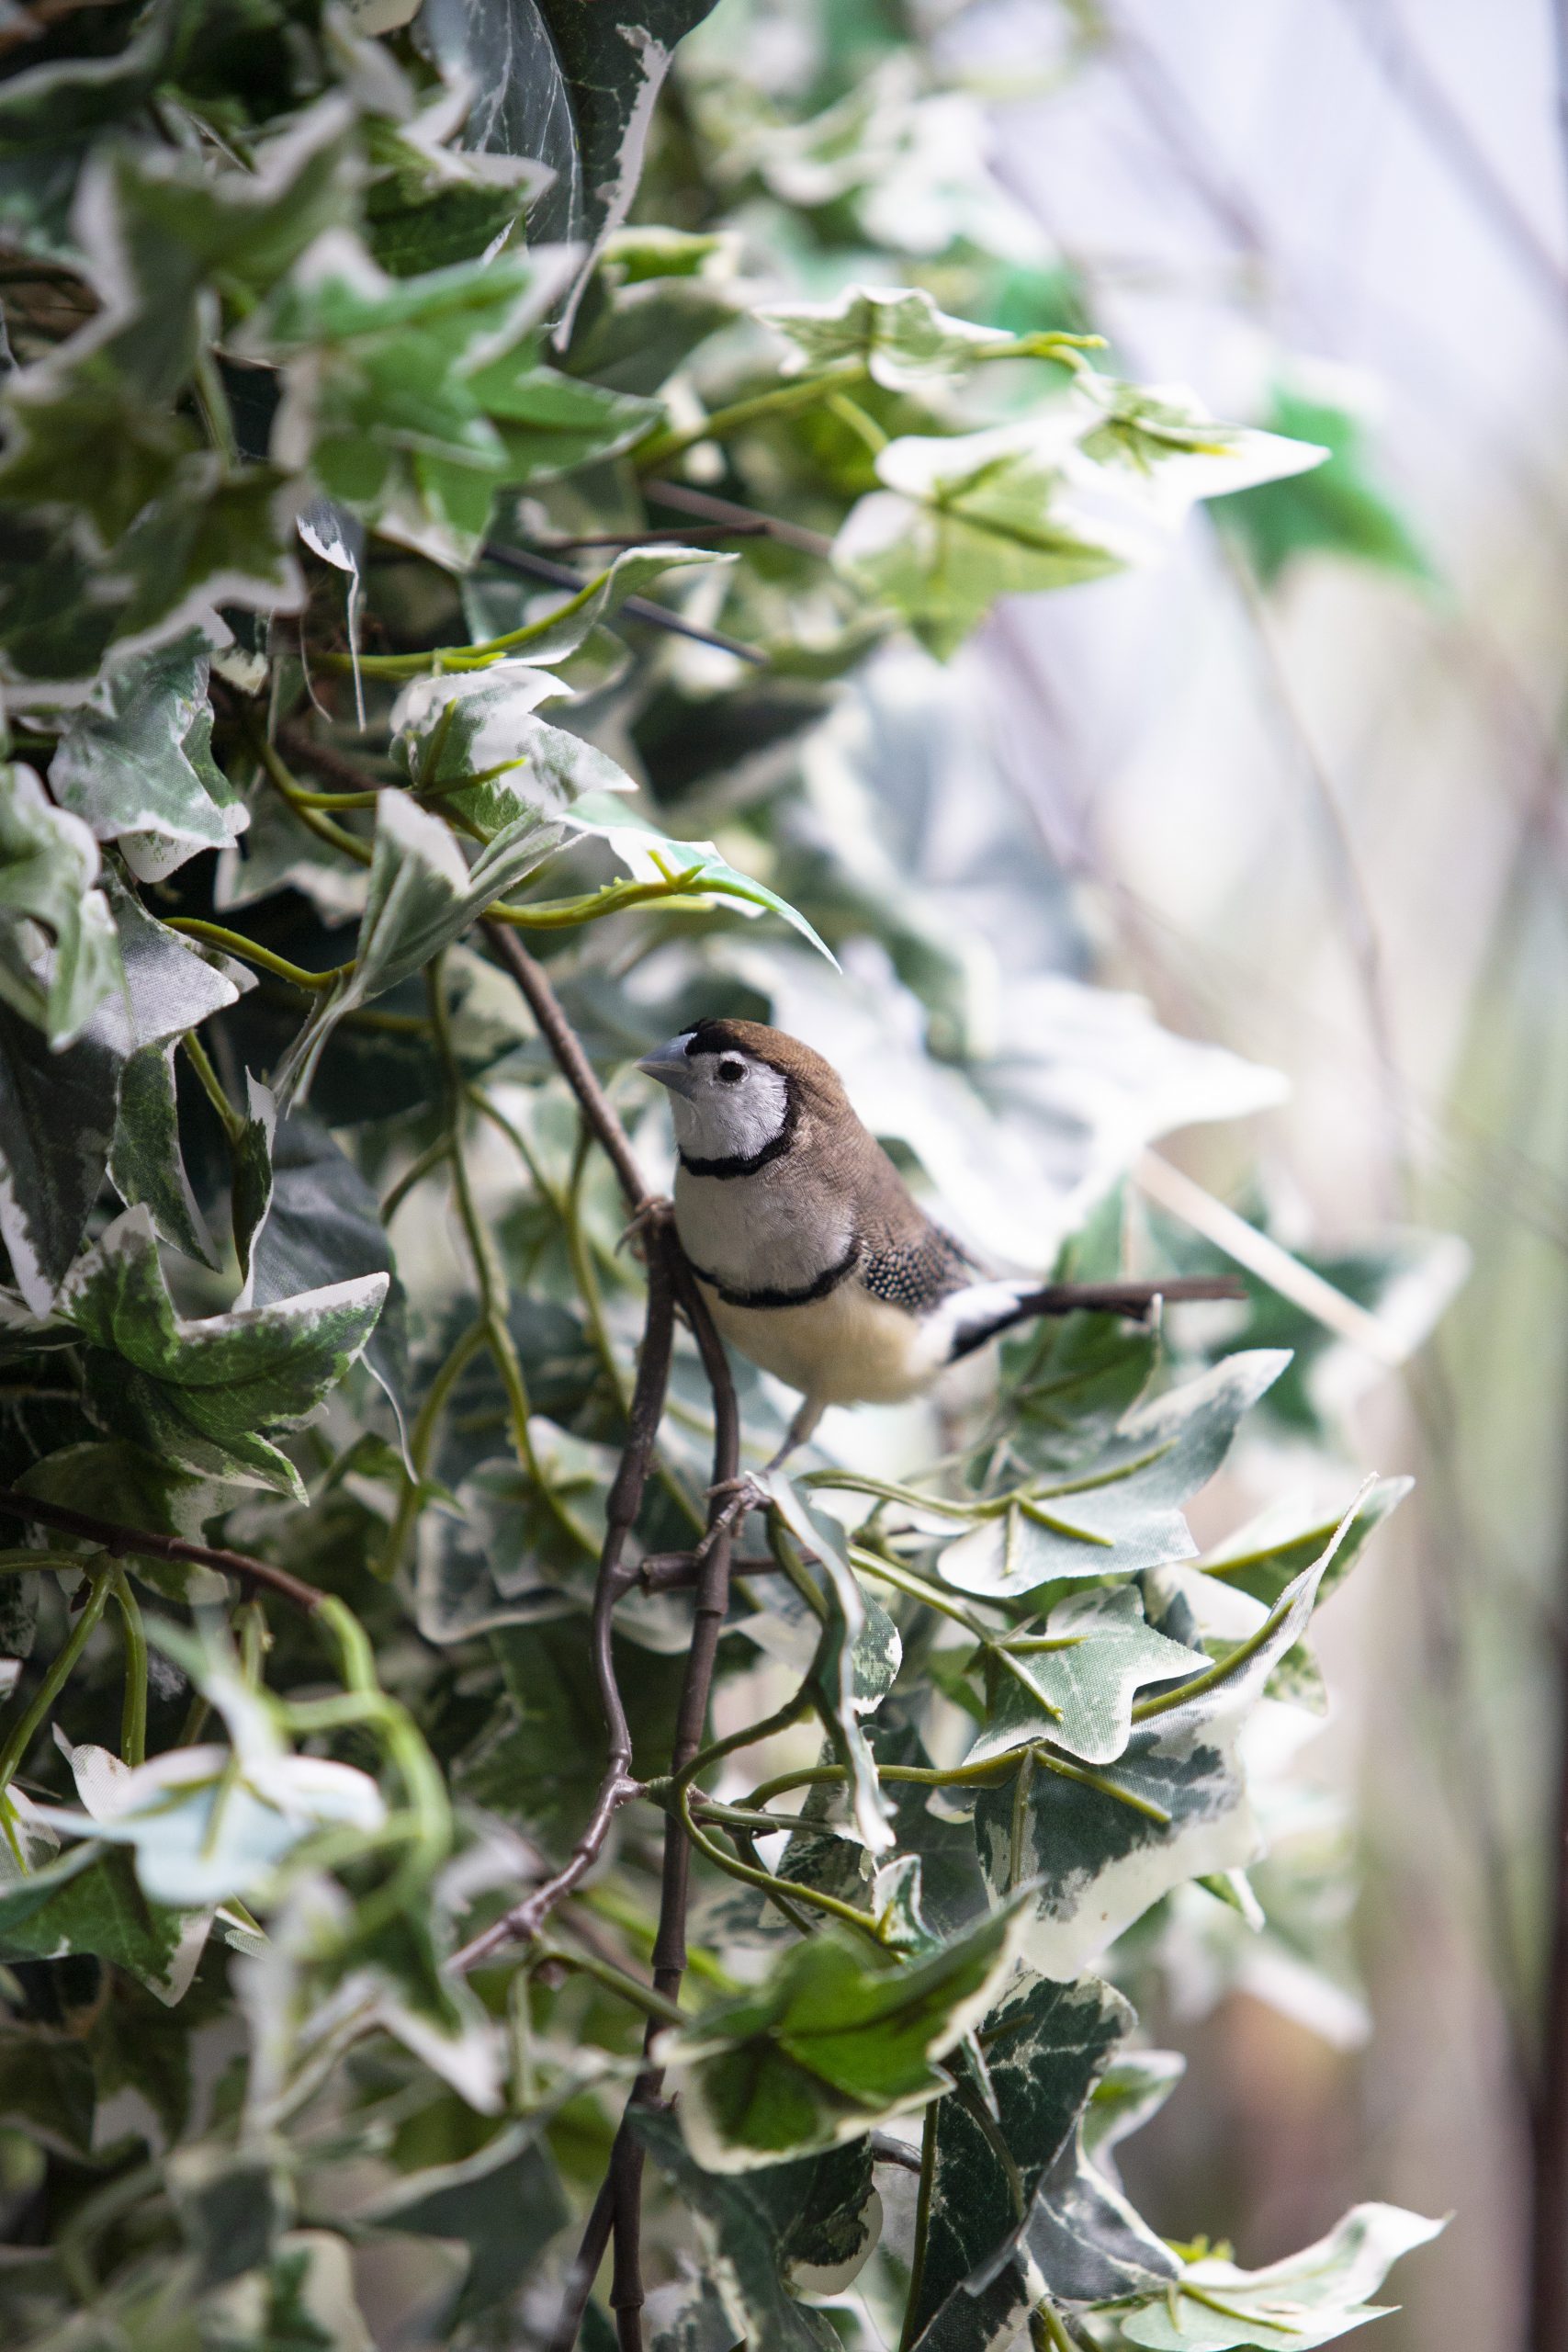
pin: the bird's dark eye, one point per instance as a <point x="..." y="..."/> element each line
<point x="731" y="1072"/>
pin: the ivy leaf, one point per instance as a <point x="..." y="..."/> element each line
<point x="1308" y="2298"/>
<point x="1263" y="1570"/>
<point x="836" y="2039"/>
<point x="963" y="519"/>
<point x="311" y="1221"/>
<point x="1122" y="1514"/>
<point x="421" y="896"/>
<point x="90" y="1901"/>
<point x="1338" y="509"/>
<point x="1100" y="1849"/>
<point x="135" y="763"/>
<point x="47" y="2087"/>
<point x="655" y="295"/>
<point x="304" y="2300"/>
<point x="502" y="2204"/>
<point x="573" y="86"/>
<point x="49" y="875"/>
<point x="1084" y="2236"/>
<point x="1157" y="450"/>
<point x="233" y="2205"/>
<point x="601" y="598"/>
<point x="1084" y="1687"/>
<point x="738" y="2216"/>
<point x="482" y="724"/>
<point x="551" y="423"/>
<point x="57" y="1121"/>
<point x="856" y="1662"/>
<point x="650" y="855"/>
<point x="1045" y="2046"/>
<point x="378" y="398"/>
<point x="146" y="1165"/>
<point x="896" y="333"/>
<point x="208" y="1395"/>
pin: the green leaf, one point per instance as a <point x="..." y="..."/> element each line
<point x="656" y="295"/>
<point x="1262" y="1570"/>
<point x="1084" y="2236"/>
<point x="146" y="1165"/>
<point x="303" y="2301"/>
<point x="1308" y="2298"/>
<point x="91" y="1901"/>
<point x="378" y="401"/>
<point x="233" y="2205"/>
<point x="896" y="333"/>
<point x="481" y="723"/>
<point x="49" y="876"/>
<point x="650" y="855"/>
<point x="1084" y="1688"/>
<point x="47" y="2087"/>
<point x="209" y="1394"/>
<point x="503" y="2205"/>
<point x="134" y="760"/>
<point x="312" y="1221"/>
<point x="57" y="1121"/>
<point x="856" y="1660"/>
<point x="513" y="1551"/>
<point x="421" y="896"/>
<point x="1096" y="1859"/>
<point x="738" y="2216"/>
<point x="1121" y="1513"/>
<point x="429" y="205"/>
<point x="1045" y="2046"/>
<point x="551" y="423"/>
<point x="572" y="85"/>
<point x="833" y="2041"/>
<point x="1338" y="509"/>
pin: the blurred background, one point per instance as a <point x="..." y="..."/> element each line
<point x="1302" y="789"/>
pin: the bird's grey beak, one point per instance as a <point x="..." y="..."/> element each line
<point x="669" y="1065"/>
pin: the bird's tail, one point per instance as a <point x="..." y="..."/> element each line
<point x="1134" y="1300"/>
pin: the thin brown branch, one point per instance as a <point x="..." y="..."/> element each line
<point x="120" y="1542"/>
<point x="575" y="1068"/>
<point x="742" y="519"/>
<point x="524" y="1919"/>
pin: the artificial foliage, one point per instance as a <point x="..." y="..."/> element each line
<point x="470" y="1874"/>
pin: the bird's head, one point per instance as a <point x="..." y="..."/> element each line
<point x="736" y="1090"/>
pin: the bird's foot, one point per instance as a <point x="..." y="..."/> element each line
<point x="734" y="1497"/>
<point x="647" y="1217"/>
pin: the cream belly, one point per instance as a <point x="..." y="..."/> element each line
<point x="846" y="1349"/>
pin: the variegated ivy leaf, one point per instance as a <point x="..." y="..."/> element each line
<point x="135" y="763"/>
<point x="650" y="855"/>
<point x="857" y="1660"/>
<point x="837" y="2038"/>
<point x="1100" y="1846"/>
<point x="1260" y="1561"/>
<point x="57" y="1121"/>
<point x="1121" y="1512"/>
<point x="502" y="2204"/>
<point x="962" y="520"/>
<point x="1084" y="2235"/>
<point x="1158" y="447"/>
<point x="1045" y="2046"/>
<point x="895" y="331"/>
<point x="208" y="1395"/>
<point x="482" y="724"/>
<point x="738" y="2216"/>
<point x="1081" y="1674"/>
<point x="556" y="634"/>
<point x="380" y="402"/>
<point x="1308" y="2298"/>
<point x="48" y="878"/>
<point x="90" y="1901"/>
<point x="208" y="1823"/>
<point x="420" y="895"/>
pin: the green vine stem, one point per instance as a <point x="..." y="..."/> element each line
<point x="100" y="1583"/>
<point x="133" y="1714"/>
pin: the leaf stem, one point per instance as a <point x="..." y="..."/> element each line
<point x="133" y="1714"/>
<point x="232" y="1121"/>
<point x="250" y="951"/>
<point x="21" y="1738"/>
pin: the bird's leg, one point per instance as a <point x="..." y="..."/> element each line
<point x="649" y="1214"/>
<point x="800" y="1429"/>
<point x="745" y="1493"/>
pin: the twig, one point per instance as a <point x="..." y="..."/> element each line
<point x="523" y="1921"/>
<point x="636" y="608"/>
<point x="687" y="501"/>
<point x="118" y="1542"/>
<point x="564" y="1044"/>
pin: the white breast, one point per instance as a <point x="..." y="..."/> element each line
<point x="749" y="1232"/>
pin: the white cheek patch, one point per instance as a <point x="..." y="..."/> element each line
<point x="731" y="1121"/>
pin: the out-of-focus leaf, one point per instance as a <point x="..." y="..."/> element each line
<point x="1084" y="1688"/>
<point x="49" y="875"/>
<point x="513" y="1551"/>
<point x="656" y="295"/>
<point x="302" y="2300"/>
<point x="833" y="2041"/>
<point x="1122" y="1513"/>
<point x="1336" y="509"/>
<point x="898" y="333"/>
<point x="91" y="1901"/>
<point x="134" y="762"/>
<point x="1045" y="2046"/>
<point x="233" y="2207"/>
<point x="1098" y="1861"/>
<point x="421" y="896"/>
<point x="503" y="2204"/>
<point x="740" y="2223"/>
<point x="46" y="2087"/>
<point x="1308" y="2298"/>
<point x="204" y="1393"/>
<point x="319" y="1223"/>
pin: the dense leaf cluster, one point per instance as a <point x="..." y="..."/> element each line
<point x="356" y="1474"/>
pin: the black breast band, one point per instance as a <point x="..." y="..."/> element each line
<point x="829" y="1279"/>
